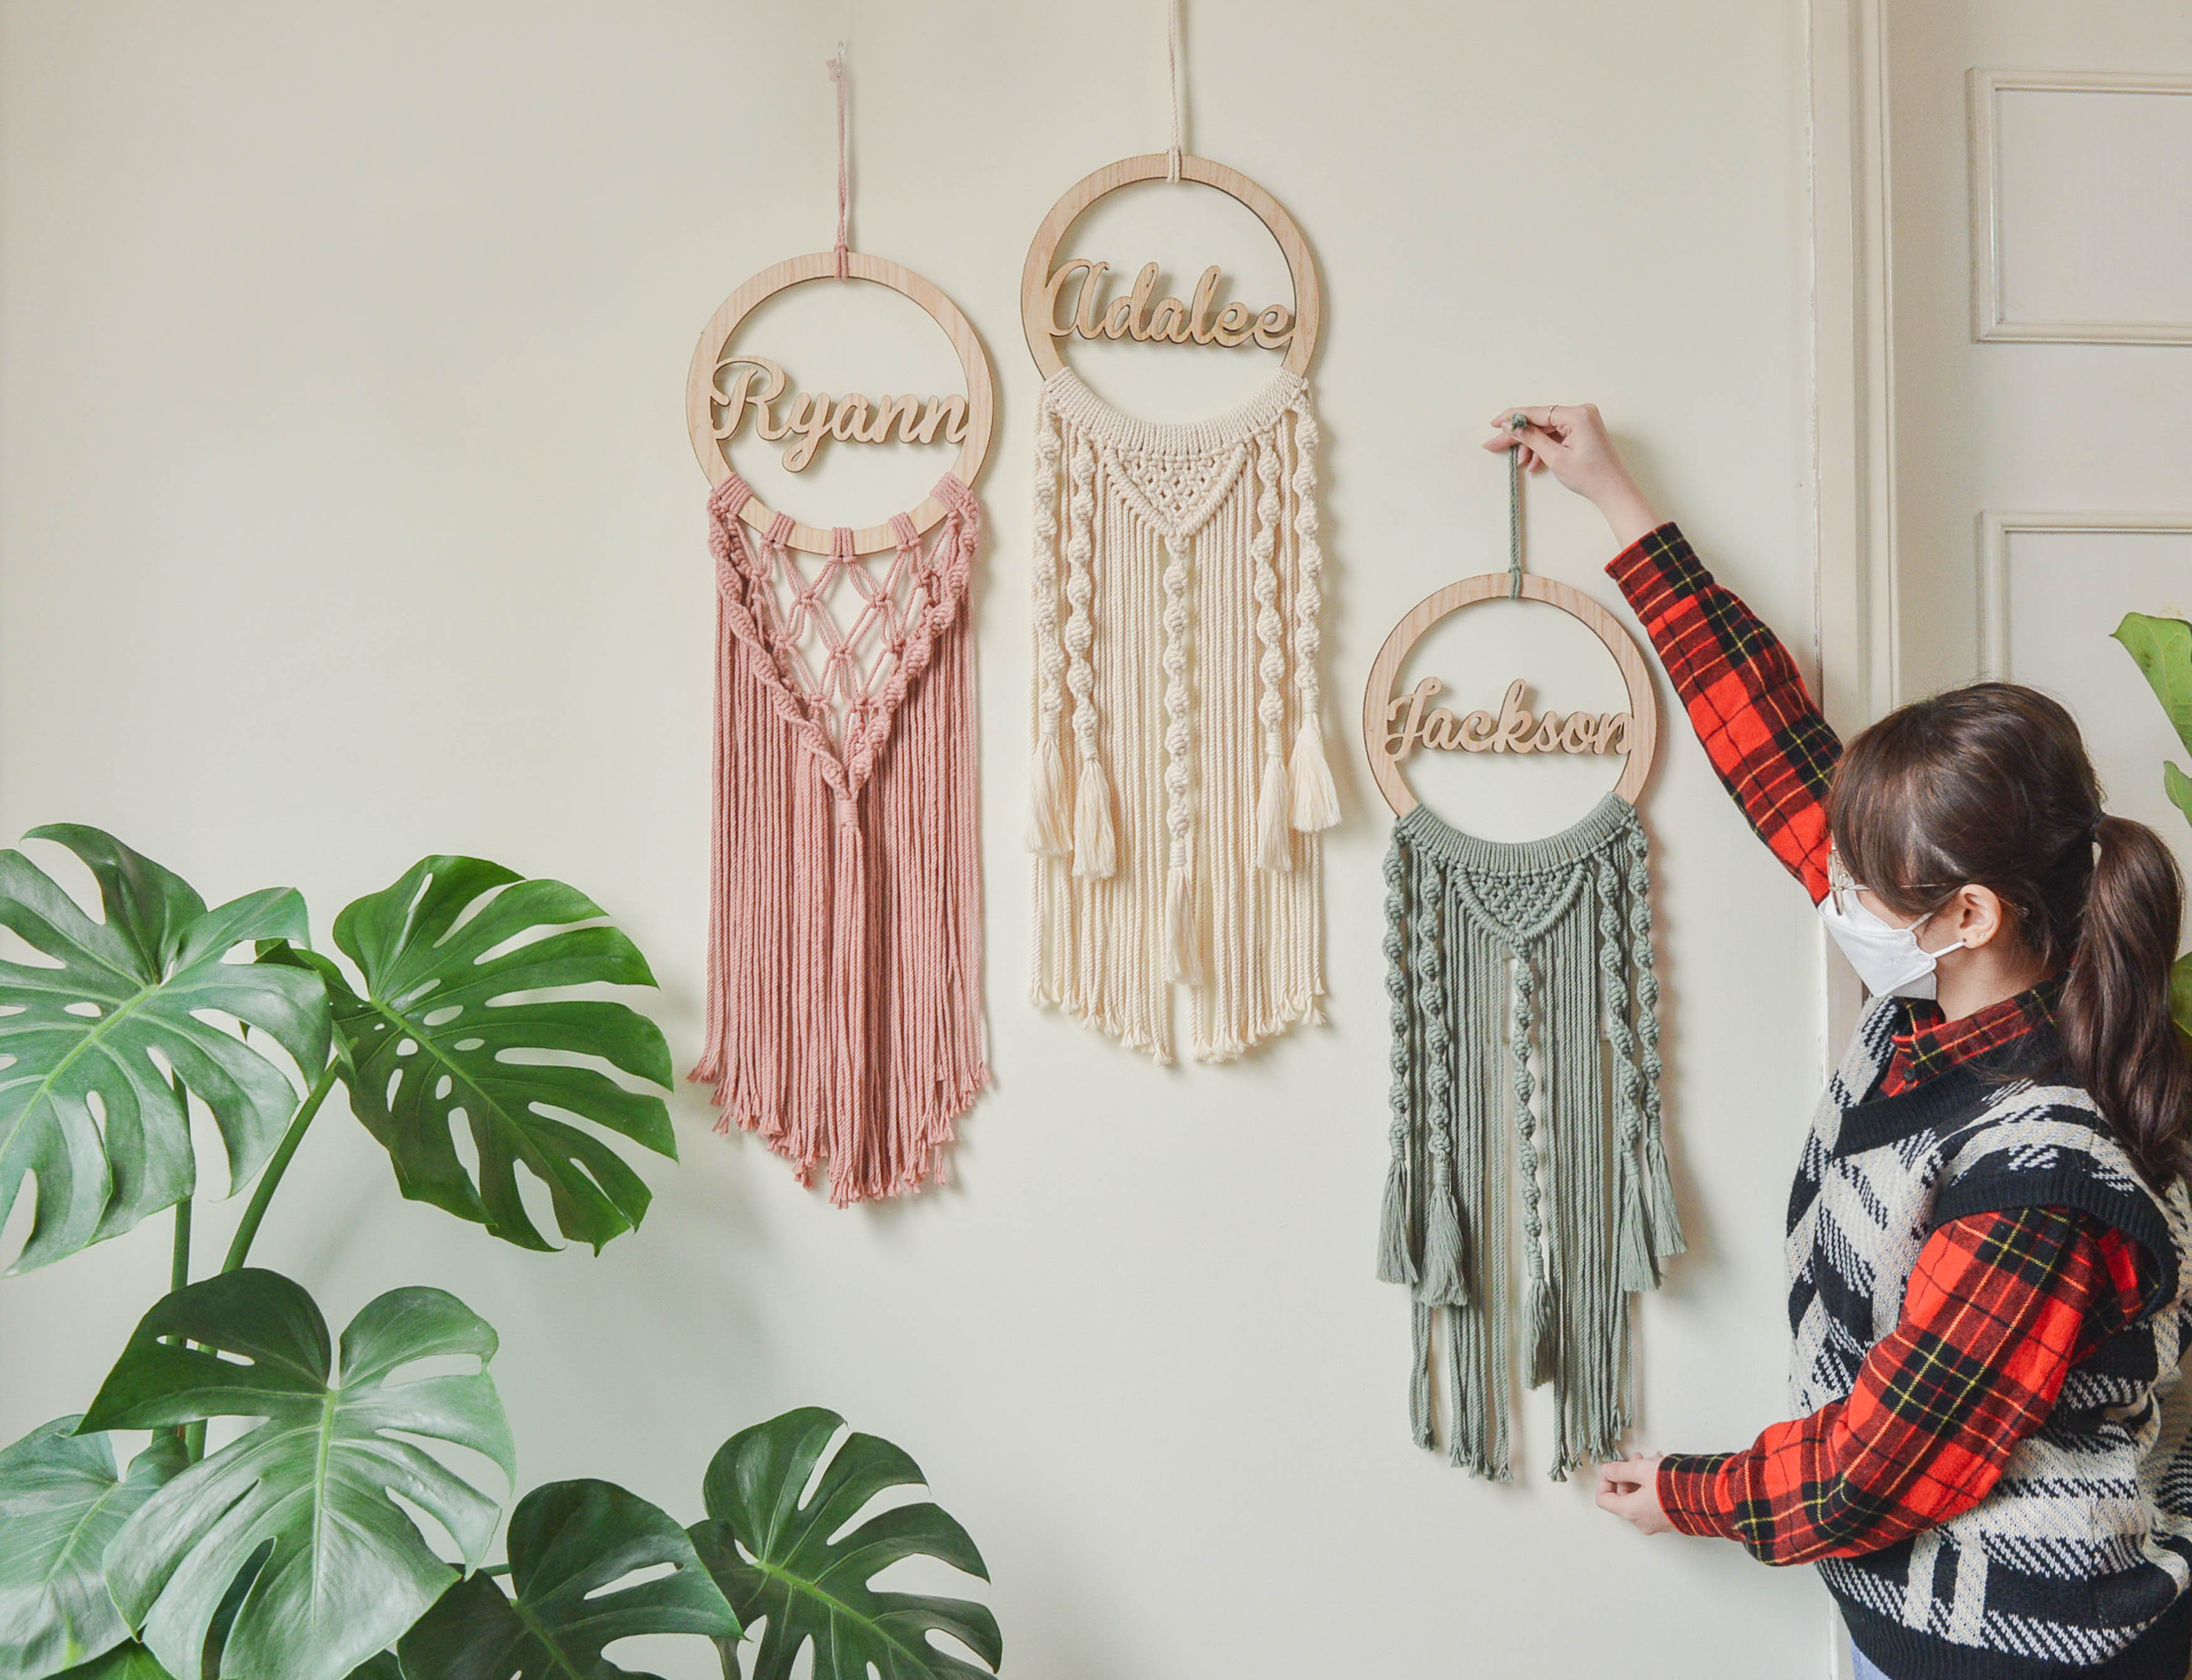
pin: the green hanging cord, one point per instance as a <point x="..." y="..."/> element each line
<point x="1515" y="422"/>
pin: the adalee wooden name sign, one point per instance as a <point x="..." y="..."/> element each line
<point x="1412" y="721"/>
<point x="1140" y="315"/>
<point x="757" y="384"/>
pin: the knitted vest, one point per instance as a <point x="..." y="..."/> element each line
<point x="2086" y="1539"/>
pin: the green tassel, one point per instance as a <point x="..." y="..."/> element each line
<point x="1395" y="1265"/>
<point x="1445" y="1281"/>
<point x="1544" y="1334"/>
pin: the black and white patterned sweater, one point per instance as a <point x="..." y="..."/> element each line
<point x="2086" y="1542"/>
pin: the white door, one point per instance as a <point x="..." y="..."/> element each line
<point x="2039" y="183"/>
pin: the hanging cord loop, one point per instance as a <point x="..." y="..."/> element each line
<point x="1515" y="422"/>
<point x="1171" y="86"/>
<point x="844" y="194"/>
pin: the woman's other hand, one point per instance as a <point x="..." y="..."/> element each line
<point x="1573" y="442"/>
<point x="1630" y="1488"/>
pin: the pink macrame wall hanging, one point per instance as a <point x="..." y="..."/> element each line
<point x="844" y="944"/>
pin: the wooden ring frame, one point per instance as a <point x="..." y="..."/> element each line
<point x="1377" y="696"/>
<point x="1156" y="166"/>
<point x="701" y="395"/>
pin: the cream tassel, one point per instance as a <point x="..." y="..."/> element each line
<point x="1183" y="950"/>
<point x="1316" y="799"/>
<point x="1274" y="844"/>
<point x="1095" y="852"/>
<point x="1049" y="834"/>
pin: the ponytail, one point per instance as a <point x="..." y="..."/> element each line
<point x="1990" y="784"/>
<point x="2114" y="1009"/>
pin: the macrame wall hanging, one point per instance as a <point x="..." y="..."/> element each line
<point x="844" y="944"/>
<point x="1525" y="1042"/>
<point x="1180" y="783"/>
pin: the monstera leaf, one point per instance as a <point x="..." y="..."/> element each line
<point x="61" y="1503"/>
<point x="2163" y="649"/>
<point x="443" y="1035"/>
<point x="131" y="1661"/>
<point x="299" y="1506"/>
<point x="570" y="1544"/>
<point x="804" y="1568"/>
<point x="87" y="1104"/>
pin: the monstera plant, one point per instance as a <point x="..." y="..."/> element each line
<point x="336" y="1534"/>
<point x="2163" y="649"/>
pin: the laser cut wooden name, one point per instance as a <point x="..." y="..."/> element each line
<point x="816" y="415"/>
<point x="1412" y="721"/>
<point x="1142" y="316"/>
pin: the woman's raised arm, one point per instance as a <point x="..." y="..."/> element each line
<point x="1758" y="722"/>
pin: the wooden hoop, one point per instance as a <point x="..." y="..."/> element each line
<point x="700" y="393"/>
<point x="1035" y="278"/>
<point x="1377" y="696"/>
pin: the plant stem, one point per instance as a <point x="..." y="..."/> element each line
<point x="178" y="1272"/>
<point x="272" y="1178"/>
<point x="192" y="1435"/>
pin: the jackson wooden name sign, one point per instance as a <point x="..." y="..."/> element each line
<point x="1411" y="722"/>
<point x="746" y="384"/>
<point x="1142" y="316"/>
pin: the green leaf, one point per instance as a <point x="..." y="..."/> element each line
<point x="774" y="1558"/>
<point x="83" y="1106"/>
<point x="61" y="1503"/>
<point x="2163" y="649"/>
<point x="2180" y="993"/>
<point x="131" y="1661"/>
<point x="2178" y="786"/>
<point x="301" y="1502"/>
<point x="570" y="1543"/>
<point x="444" y="1037"/>
<point x="382" y="1666"/>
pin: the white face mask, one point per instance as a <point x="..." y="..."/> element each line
<point x="1888" y="959"/>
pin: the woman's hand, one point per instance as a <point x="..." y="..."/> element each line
<point x="1574" y="443"/>
<point x="1630" y="1488"/>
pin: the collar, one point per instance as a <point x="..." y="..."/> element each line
<point x="1926" y="1046"/>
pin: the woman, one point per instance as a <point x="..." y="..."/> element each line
<point x="1987" y="1240"/>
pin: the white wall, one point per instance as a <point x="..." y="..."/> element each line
<point x="346" y="514"/>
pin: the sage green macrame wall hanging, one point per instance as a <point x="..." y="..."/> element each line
<point x="1525" y="1045"/>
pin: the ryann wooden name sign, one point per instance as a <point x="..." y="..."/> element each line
<point x="1412" y="721"/>
<point x="746" y="382"/>
<point x="1144" y="317"/>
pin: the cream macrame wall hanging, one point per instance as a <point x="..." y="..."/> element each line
<point x="1180" y="783"/>
<point x="1525" y="1042"/>
<point x="844" y="944"/>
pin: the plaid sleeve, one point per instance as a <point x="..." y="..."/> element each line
<point x="1746" y="699"/>
<point x="1999" y="1308"/>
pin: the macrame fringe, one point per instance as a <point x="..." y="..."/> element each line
<point x="1525" y="1042"/>
<point x="844" y="971"/>
<point x="1176" y="582"/>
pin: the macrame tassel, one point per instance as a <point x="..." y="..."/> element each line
<point x="1274" y="845"/>
<point x="1395" y="1265"/>
<point x="1316" y="799"/>
<point x="1445" y="1281"/>
<point x="1049" y="832"/>
<point x="1095" y="850"/>
<point x="1632" y="1240"/>
<point x="1665" y="1223"/>
<point x="1541" y="1333"/>
<point x="1183" y="950"/>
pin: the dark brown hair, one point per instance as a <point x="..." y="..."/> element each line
<point x="1989" y="785"/>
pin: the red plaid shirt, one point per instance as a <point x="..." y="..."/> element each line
<point x="1999" y="1306"/>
